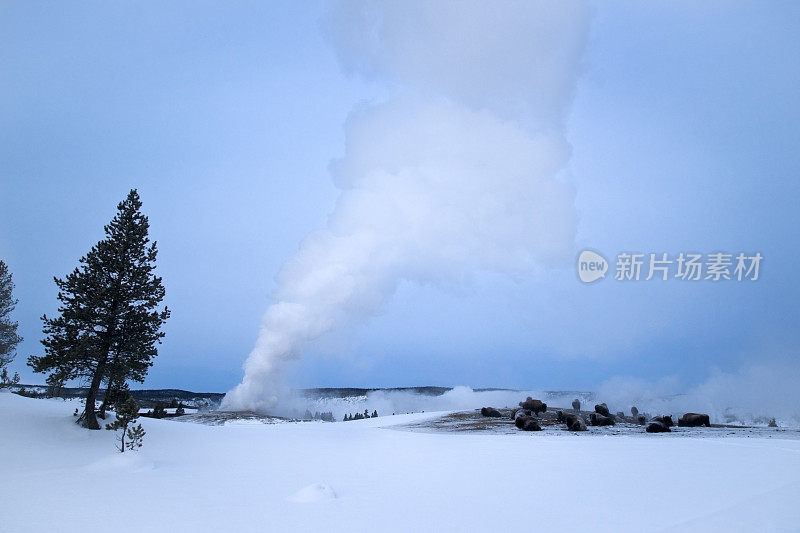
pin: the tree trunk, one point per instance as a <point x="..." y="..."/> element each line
<point x="89" y="417"/>
<point x="104" y="405"/>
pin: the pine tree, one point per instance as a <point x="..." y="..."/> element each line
<point x="116" y="392"/>
<point x="6" y="380"/>
<point x="126" y="415"/>
<point x="135" y="436"/>
<point x="109" y="320"/>
<point x="9" y="339"/>
<point x="159" y="411"/>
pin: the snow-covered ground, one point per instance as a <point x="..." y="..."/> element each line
<point x="365" y="476"/>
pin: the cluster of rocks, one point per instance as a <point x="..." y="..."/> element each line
<point x="532" y="414"/>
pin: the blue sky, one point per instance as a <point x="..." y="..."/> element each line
<point x="683" y="129"/>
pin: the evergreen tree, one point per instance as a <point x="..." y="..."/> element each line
<point x="116" y="392"/>
<point x="159" y="411"/>
<point x="9" y="339"/>
<point x="6" y="380"/>
<point x="135" y="436"/>
<point x="180" y="411"/>
<point x="126" y="415"/>
<point x="109" y="319"/>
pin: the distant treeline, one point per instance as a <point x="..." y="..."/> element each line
<point x="146" y="398"/>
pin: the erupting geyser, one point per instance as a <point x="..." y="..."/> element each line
<point x="458" y="172"/>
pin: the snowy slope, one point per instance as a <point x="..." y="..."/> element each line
<point x="363" y="475"/>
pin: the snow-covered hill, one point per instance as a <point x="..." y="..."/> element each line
<point x="365" y="476"/>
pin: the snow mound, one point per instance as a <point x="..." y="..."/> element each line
<point x="313" y="493"/>
<point x="128" y="461"/>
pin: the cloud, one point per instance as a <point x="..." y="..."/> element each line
<point x="514" y="59"/>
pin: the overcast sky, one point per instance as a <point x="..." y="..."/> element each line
<point x="225" y="116"/>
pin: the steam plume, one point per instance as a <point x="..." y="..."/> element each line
<point x="761" y="389"/>
<point x="458" y="172"/>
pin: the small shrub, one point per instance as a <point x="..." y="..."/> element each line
<point x="127" y="413"/>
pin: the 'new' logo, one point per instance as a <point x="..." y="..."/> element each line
<point x="591" y="266"/>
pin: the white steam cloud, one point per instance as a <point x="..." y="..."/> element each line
<point x="394" y="401"/>
<point x="753" y="394"/>
<point x="456" y="173"/>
